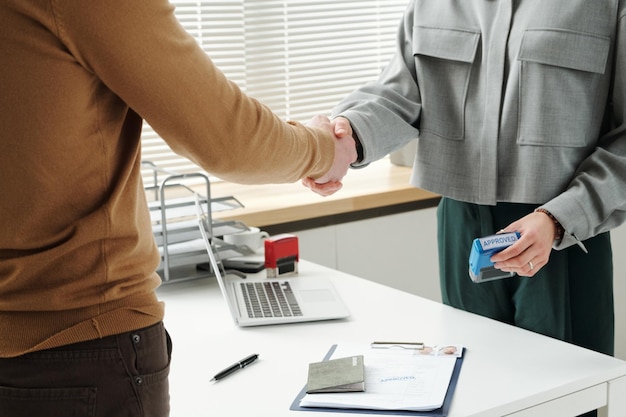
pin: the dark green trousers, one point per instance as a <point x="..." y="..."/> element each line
<point x="570" y="298"/>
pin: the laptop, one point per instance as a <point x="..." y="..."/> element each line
<point x="258" y="301"/>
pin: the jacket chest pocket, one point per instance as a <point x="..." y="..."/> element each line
<point x="560" y="77"/>
<point x="443" y="59"/>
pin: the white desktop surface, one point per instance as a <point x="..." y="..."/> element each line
<point x="507" y="371"/>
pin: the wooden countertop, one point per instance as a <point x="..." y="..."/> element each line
<point x="376" y="186"/>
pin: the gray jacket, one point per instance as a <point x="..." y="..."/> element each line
<point x="513" y="101"/>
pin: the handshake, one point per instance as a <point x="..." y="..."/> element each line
<point x="345" y="154"/>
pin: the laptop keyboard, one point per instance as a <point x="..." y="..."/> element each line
<point x="270" y="299"/>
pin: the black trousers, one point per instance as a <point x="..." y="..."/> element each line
<point x="125" y="375"/>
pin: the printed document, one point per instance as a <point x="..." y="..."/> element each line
<point x="395" y="379"/>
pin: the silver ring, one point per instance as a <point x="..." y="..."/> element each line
<point x="530" y="264"/>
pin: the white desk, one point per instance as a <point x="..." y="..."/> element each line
<point x="506" y="372"/>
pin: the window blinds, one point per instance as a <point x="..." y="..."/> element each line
<point x="298" y="57"/>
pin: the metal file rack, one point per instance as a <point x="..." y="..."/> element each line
<point x="173" y="212"/>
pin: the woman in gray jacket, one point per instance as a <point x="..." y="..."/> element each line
<point x="519" y="111"/>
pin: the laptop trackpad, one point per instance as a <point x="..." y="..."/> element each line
<point x="316" y="296"/>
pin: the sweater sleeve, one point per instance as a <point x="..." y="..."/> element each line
<point x="139" y="51"/>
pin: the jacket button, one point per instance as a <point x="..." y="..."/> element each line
<point x="138" y="380"/>
<point x="136" y="338"/>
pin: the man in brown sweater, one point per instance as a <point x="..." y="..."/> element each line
<point x="80" y="324"/>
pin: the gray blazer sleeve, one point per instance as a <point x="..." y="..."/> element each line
<point x="595" y="200"/>
<point x="384" y="114"/>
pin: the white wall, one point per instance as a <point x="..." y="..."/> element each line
<point x="400" y="250"/>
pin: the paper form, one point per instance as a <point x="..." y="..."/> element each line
<point x="395" y="379"/>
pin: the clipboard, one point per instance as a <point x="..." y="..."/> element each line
<point x="439" y="412"/>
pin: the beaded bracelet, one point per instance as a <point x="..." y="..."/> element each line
<point x="560" y="231"/>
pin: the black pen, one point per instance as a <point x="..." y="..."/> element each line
<point x="235" y="367"/>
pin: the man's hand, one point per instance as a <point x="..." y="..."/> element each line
<point x="345" y="154"/>
<point x="532" y="251"/>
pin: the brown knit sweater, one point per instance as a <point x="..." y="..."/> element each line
<point x="77" y="256"/>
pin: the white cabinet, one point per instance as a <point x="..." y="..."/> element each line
<point x="398" y="250"/>
<point x="618" y="240"/>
